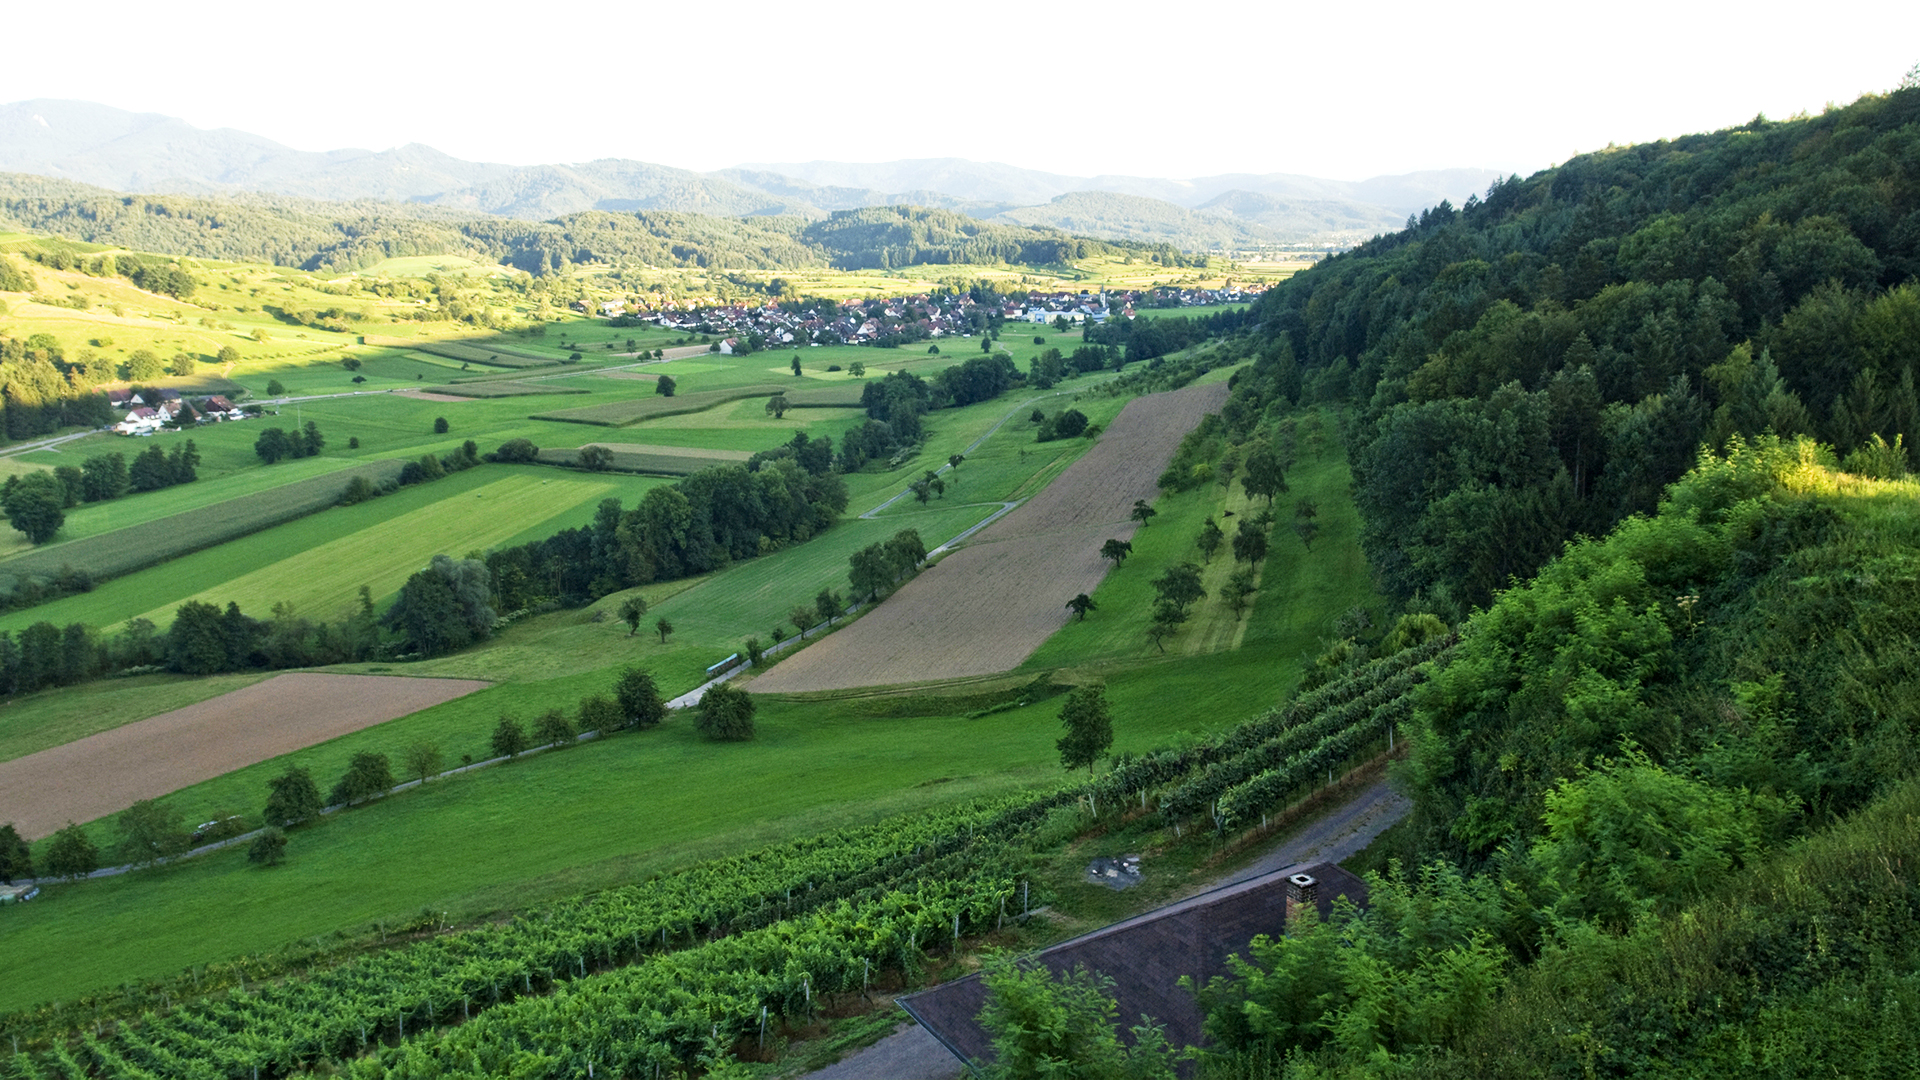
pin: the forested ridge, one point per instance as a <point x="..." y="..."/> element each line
<point x="1642" y="426"/>
<point x="316" y="235"/>
<point x="1541" y="363"/>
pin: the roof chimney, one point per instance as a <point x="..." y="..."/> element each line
<point x="1302" y="894"/>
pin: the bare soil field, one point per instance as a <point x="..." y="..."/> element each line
<point x="105" y="773"/>
<point x="987" y="606"/>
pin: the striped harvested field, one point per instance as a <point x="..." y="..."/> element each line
<point x="496" y="355"/>
<point x="642" y="458"/>
<point x="987" y="606"/>
<point x="136" y="547"/>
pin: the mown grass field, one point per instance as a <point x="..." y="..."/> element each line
<point x="485" y="506"/>
<point x="155" y="541"/>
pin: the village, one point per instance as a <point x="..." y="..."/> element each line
<point x="901" y="320"/>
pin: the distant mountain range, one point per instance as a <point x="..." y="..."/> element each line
<point x="151" y="153"/>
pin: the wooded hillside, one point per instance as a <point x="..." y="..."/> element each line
<point x="1540" y="363"/>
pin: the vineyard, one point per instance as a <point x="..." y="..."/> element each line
<point x="685" y="970"/>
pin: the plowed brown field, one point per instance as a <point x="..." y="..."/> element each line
<point x="987" y="606"/>
<point x="105" y="773"/>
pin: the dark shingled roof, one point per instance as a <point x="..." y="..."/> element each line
<point x="1146" y="956"/>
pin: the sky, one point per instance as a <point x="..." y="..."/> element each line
<point x="1344" y="91"/>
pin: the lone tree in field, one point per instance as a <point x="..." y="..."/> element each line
<point x="1180" y="586"/>
<point x="1211" y="537"/>
<point x="640" y="702"/>
<point x="632" y="610"/>
<point x="269" y="848"/>
<point x="72" y="853"/>
<point x="778" y="403"/>
<point x="439" y="425"/>
<point x="1082" y="604"/>
<point x="1116" y="551"/>
<point x="796" y="365"/>
<point x="1142" y="513"/>
<point x="423" y="759"/>
<point x="664" y="627"/>
<point x="1089" y="728"/>
<point x="292" y="797"/>
<point x="726" y="714"/>
<point x="508" y="738"/>
<point x="16" y="855"/>
<point x="955" y="460"/>
<point x="368" y="774"/>
<point x="663" y="386"/>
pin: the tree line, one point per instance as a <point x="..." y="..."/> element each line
<point x="313" y="235"/>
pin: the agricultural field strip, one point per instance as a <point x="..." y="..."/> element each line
<point x="821" y="915"/>
<point x="135" y="547"/>
<point x="987" y="606"/>
<point x="382" y="556"/>
<point x="164" y="753"/>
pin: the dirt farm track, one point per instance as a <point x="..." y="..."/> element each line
<point x="105" y="773"/>
<point x="987" y="606"/>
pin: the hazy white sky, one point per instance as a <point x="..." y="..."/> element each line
<point x="1164" y="89"/>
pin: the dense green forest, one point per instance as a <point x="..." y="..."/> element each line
<point x="1642" y="425"/>
<point x="1541" y="363"/>
<point x="347" y="236"/>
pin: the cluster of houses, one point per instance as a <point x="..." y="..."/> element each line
<point x="168" y="407"/>
<point x="919" y="317"/>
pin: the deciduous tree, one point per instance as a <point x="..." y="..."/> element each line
<point x="423" y="759"/>
<point x="639" y="699"/>
<point x="72" y="854"/>
<point x="726" y="713"/>
<point x="292" y="797"/>
<point x="150" y="831"/>
<point x="16" y="855"/>
<point x="368" y="774"/>
<point x="508" y="738"/>
<point x="36" y="506"/>
<point x="269" y="848"/>
<point x="1116" y="551"/>
<point x="1142" y="513"/>
<point x="1089" y="727"/>
<point x="632" y="610"/>
<point x="1081" y="604"/>
<point x="553" y="729"/>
